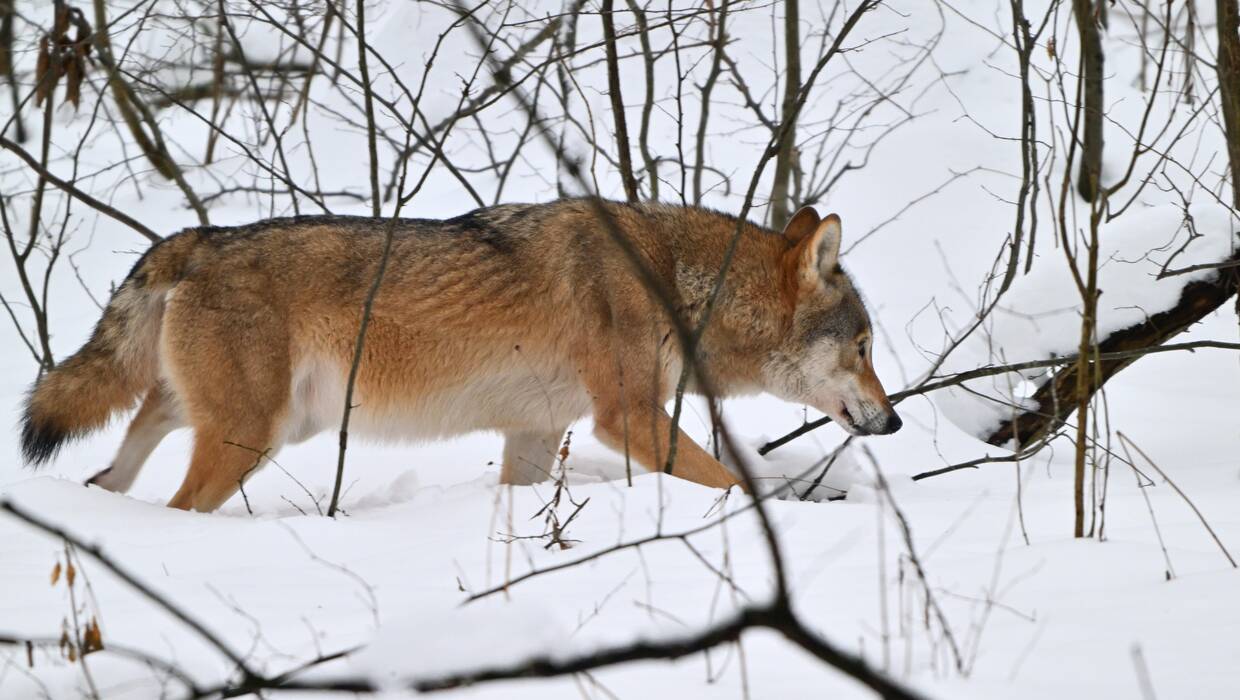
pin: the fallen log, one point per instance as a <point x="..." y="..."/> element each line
<point x="1057" y="399"/>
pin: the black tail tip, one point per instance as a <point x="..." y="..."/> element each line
<point x="40" y="441"/>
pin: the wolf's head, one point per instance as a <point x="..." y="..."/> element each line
<point x="825" y="356"/>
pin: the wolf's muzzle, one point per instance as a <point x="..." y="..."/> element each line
<point x="881" y="425"/>
<point x="893" y="424"/>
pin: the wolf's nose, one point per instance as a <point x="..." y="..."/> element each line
<point x="893" y="424"/>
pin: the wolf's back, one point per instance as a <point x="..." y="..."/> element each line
<point x="116" y="365"/>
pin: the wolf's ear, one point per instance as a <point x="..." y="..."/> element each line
<point x="801" y="225"/>
<point x="816" y="255"/>
<point x="826" y="243"/>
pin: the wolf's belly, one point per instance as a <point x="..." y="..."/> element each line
<point x="516" y="400"/>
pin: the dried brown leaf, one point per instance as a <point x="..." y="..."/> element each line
<point x="44" y="81"/>
<point x="73" y="81"/>
<point x="92" y="641"/>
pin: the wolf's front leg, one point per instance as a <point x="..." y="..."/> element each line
<point x="643" y="433"/>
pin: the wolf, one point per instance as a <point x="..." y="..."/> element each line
<point x="517" y="318"/>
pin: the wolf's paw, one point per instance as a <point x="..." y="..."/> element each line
<point x="104" y="479"/>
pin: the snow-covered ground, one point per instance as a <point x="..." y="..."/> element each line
<point x="1034" y="612"/>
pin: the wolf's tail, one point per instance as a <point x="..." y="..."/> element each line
<point x="119" y="362"/>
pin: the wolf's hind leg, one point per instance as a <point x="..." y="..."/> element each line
<point x="222" y="461"/>
<point x="226" y="347"/>
<point x="157" y="417"/>
<point x="529" y="456"/>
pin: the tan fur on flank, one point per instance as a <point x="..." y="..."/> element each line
<point x="519" y="318"/>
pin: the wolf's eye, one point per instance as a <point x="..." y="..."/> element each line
<point x="861" y="349"/>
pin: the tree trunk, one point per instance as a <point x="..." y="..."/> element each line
<point x="1091" y="72"/>
<point x="1229" y="86"/>
<point x="792" y="84"/>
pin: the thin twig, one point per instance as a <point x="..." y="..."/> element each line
<point x="1204" y="523"/>
<point x="78" y="194"/>
<point x="146" y="591"/>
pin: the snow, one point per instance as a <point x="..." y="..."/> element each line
<point x="1039" y="317"/>
<point x="426" y="525"/>
<point x="447" y="641"/>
